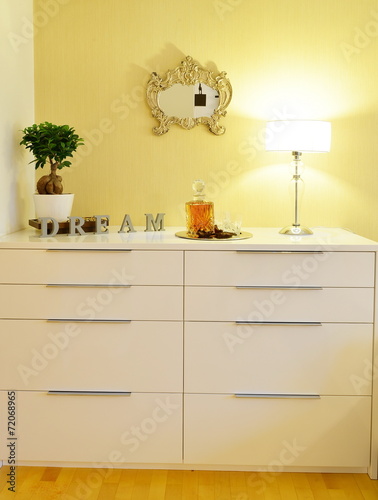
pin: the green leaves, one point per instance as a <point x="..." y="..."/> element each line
<point x="53" y="143"/>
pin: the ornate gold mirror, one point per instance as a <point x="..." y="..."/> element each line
<point x="189" y="95"/>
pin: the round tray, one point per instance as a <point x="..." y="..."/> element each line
<point x="242" y="236"/>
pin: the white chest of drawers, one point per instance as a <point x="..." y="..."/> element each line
<point x="250" y="354"/>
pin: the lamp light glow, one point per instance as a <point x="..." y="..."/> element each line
<point x="298" y="136"/>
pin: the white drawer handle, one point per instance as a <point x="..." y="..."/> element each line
<point x="88" y="250"/>
<point x="88" y="393"/>
<point x="278" y="396"/>
<point x="279" y="323"/>
<point x="69" y="320"/>
<point x="247" y="287"/>
<point x="85" y="285"/>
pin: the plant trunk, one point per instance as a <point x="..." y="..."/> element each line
<point x="52" y="183"/>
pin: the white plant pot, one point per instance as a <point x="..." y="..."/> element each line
<point x="57" y="206"/>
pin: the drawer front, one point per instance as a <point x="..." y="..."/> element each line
<point x="60" y="302"/>
<point x="329" y="269"/>
<point x="43" y="355"/>
<point x="254" y="304"/>
<point x="91" y="267"/>
<point x="333" y="431"/>
<point x="140" y="428"/>
<point x="331" y="359"/>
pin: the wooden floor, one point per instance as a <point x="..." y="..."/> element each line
<point x="40" y="483"/>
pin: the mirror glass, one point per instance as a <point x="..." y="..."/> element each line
<point x="189" y="100"/>
<point x="189" y="95"/>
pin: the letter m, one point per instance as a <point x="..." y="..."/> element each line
<point x="157" y="224"/>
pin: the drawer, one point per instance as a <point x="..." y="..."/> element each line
<point x="91" y="267"/>
<point x="328" y="269"/>
<point x="331" y="359"/>
<point x="263" y="304"/>
<point x="91" y="302"/>
<point x="42" y="355"/>
<point x="333" y="431"/>
<point x="139" y="428"/>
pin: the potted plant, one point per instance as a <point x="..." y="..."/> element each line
<point x="52" y="144"/>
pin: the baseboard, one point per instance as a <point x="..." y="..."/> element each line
<point x="231" y="468"/>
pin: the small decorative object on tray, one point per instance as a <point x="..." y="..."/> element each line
<point x="89" y="225"/>
<point x="217" y="234"/>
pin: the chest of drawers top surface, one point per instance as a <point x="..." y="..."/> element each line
<point x="263" y="239"/>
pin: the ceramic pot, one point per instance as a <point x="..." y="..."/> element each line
<point x="57" y="206"/>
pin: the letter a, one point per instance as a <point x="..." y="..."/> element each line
<point x="127" y="223"/>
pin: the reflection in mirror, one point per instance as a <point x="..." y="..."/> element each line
<point x="191" y="101"/>
<point x="189" y="95"/>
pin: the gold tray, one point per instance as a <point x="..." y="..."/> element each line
<point x="242" y="236"/>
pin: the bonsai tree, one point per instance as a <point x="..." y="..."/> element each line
<point x="53" y="144"/>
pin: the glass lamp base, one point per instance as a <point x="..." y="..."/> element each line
<point x="296" y="230"/>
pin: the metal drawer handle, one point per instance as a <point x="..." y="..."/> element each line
<point x="247" y="287"/>
<point x="295" y="252"/>
<point x="278" y="396"/>
<point x="88" y="393"/>
<point x="78" y="320"/>
<point x="85" y="285"/>
<point x="88" y="250"/>
<point x="279" y="323"/>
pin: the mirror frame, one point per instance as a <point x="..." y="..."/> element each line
<point x="189" y="73"/>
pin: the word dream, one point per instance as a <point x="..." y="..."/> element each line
<point x="101" y="223"/>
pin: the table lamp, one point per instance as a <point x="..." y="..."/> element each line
<point x="298" y="136"/>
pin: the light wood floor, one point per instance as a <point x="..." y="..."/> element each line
<point x="41" y="483"/>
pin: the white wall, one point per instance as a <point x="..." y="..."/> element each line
<point x="17" y="112"/>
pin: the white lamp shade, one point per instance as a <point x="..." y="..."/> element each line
<point x="311" y="136"/>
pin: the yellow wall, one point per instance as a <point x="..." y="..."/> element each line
<point x="294" y="58"/>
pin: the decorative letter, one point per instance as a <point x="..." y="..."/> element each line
<point x="150" y="221"/>
<point x="100" y="224"/>
<point x="127" y="222"/>
<point x="44" y="228"/>
<point x="75" y="224"/>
